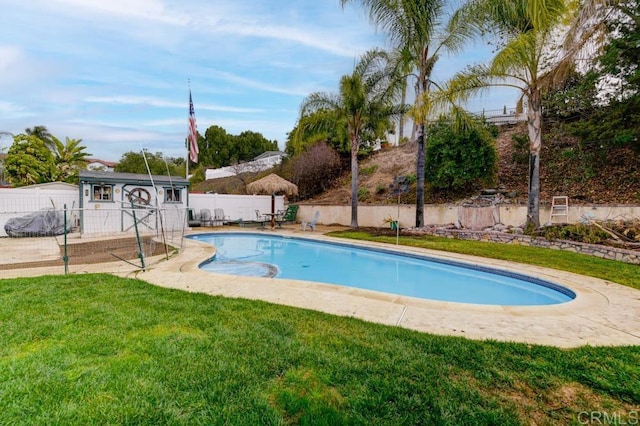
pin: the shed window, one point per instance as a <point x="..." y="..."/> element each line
<point x="101" y="192"/>
<point x="172" y="195"/>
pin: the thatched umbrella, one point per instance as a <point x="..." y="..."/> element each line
<point x="272" y="184"/>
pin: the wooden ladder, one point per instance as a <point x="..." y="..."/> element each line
<point x="559" y="207"/>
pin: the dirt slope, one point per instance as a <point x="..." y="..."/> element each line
<point x="612" y="178"/>
<point x="603" y="176"/>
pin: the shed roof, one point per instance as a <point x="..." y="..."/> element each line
<point x="137" y="178"/>
<point x="52" y="185"/>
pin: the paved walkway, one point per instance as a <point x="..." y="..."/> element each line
<point x="603" y="313"/>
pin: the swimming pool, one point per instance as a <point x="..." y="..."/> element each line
<point x="264" y="255"/>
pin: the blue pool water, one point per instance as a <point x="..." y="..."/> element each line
<point x="372" y="269"/>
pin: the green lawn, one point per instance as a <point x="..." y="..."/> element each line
<point x="98" y="349"/>
<point x="618" y="272"/>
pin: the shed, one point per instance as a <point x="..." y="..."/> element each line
<point x="110" y="201"/>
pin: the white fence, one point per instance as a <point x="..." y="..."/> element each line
<point x="17" y="201"/>
<point x="236" y="206"/>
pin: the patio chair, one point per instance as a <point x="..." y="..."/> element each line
<point x="260" y="219"/>
<point x="218" y="217"/>
<point x="311" y="224"/>
<point x="192" y="219"/>
<point x="205" y="217"/>
<point x="287" y="216"/>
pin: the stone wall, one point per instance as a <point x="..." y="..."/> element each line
<point x="605" y="252"/>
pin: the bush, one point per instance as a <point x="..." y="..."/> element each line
<point x="520" y="148"/>
<point x="577" y="232"/>
<point x="368" y="171"/>
<point x="315" y="170"/>
<point x="363" y="194"/>
<point x="381" y="188"/>
<point x="458" y="160"/>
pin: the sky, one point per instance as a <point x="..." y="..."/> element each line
<point x="117" y="73"/>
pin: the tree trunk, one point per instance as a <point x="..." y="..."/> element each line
<point x="534" y="126"/>
<point x="354" y="181"/>
<point x="402" y="117"/>
<point x="422" y="85"/>
<point x="420" y="165"/>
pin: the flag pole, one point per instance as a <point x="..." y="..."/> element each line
<point x="187" y="142"/>
<point x="192" y="138"/>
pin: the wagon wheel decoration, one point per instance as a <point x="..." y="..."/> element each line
<point x="139" y="196"/>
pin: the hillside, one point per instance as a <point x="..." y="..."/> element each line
<point x="564" y="171"/>
<point x="598" y="176"/>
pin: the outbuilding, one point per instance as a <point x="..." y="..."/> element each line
<point x="115" y="202"/>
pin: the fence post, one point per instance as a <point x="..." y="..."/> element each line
<point x="135" y="225"/>
<point x="65" y="257"/>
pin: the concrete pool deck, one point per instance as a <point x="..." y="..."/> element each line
<point x="603" y="313"/>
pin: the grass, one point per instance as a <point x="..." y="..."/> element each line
<point x="98" y="349"/>
<point x="611" y="270"/>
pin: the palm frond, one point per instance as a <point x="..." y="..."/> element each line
<point x="586" y="34"/>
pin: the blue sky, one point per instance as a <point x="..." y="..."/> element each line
<point x="115" y="73"/>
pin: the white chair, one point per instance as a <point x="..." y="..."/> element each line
<point x="218" y="217"/>
<point x="260" y="219"/>
<point x="205" y="217"/>
<point x="311" y="224"/>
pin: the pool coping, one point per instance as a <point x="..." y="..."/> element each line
<point x="602" y="314"/>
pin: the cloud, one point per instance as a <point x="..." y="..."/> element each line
<point x="9" y="57"/>
<point x="151" y="10"/>
<point x="258" y="84"/>
<point x="17" y="68"/>
<point x="11" y="111"/>
<point x="162" y="103"/>
<point x="327" y="42"/>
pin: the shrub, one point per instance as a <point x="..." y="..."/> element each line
<point x="578" y="232"/>
<point x="368" y="171"/>
<point x="458" y="160"/>
<point x="315" y="170"/>
<point x="363" y="194"/>
<point x="520" y="148"/>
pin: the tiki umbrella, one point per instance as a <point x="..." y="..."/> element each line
<point x="272" y="184"/>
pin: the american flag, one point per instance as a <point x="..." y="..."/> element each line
<point x="193" y="133"/>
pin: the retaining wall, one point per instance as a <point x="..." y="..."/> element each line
<point x="374" y="215"/>
<point x="605" y="252"/>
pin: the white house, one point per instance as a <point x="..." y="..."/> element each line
<point x="264" y="161"/>
<point x="100" y="165"/>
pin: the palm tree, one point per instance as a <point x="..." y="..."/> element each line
<point x="529" y="59"/>
<point x="42" y="133"/>
<point x="364" y="105"/>
<point x="419" y="36"/>
<point x="69" y="157"/>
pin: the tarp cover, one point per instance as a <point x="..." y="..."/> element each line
<point x="44" y="223"/>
